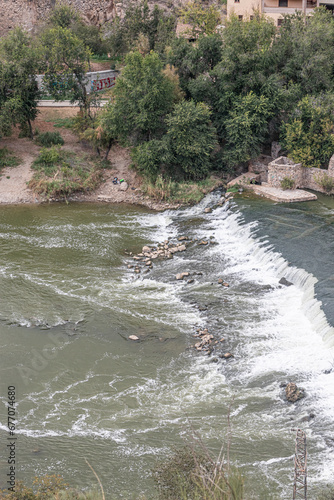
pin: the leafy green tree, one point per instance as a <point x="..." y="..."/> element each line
<point x="303" y="52"/>
<point x="204" y="19"/>
<point x="150" y="157"/>
<point x="122" y="35"/>
<point x="308" y="135"/>
<point x="195" y="60"/>
<point x="19" y="62"/>
<point x="66" y="63"/>
<point x="143" y="96"/>
<point x="246" y="128"/>
<point x="63" y="15"/>
<point x="190" y="140"/>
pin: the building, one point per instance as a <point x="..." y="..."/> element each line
<point x="275" y="9"/>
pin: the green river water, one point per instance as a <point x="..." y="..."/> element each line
<point x="68" y="304"/>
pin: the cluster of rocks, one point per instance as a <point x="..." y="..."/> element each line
<point x="143" y="261"/>
<point x="293" y="393"/>
<point x="207" y="343"/>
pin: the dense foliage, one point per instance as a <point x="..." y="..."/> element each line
<point x="184" y="107"/>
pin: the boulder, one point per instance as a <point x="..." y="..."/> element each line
<point x="133" y="337"/>
<point x="146" y="249"/>
<point x="123" y="186"/>
<point x="227" y="355"/>
<point x="285" y="282"/>
<point x="180" y="276"/>
<point x="293" y="393"/>
<point x="207" y="210"/>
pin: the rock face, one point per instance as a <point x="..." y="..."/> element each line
<point x="26" y="13"/>
<point x="293" y="393"/>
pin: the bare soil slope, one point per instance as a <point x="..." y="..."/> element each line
<point x="13" y="181"/>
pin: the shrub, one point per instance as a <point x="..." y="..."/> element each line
<point x="287" y="183"/>
<point x="48" y="139"/>
<point x="7" y="159"/>
<point x="325" y="181"/>
<point x="59" y="173"/>
<point x="191" y="472"/>
<point x="148" y="158"/>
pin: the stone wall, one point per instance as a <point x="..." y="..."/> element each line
<point x="303" y="177"/>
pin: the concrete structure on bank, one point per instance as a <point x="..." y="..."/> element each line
<point x="275" y="9"/>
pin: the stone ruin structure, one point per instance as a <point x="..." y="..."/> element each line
<point x="271" y="172"/>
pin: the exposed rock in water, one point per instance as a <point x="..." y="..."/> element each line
<point x="133" y="337"/>
<point x="285" y="282"/>
<point x="227" y="355"/>
<point x="180" y="276"/>
<point x="293" y="393"/>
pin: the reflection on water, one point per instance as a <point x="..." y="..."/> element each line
<point x="68" y="304"/>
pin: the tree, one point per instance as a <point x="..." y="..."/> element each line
<point x="203" y="19"/>
<point x="246" y="128"/>
<point x="122" y="35"/>
<point x="308" y="135"/>
<point x="19" y="93"/>
<point x="190" y="140"/>
<point x="66" y="63"/>
<point x="303" y="52"/>
<point x="143" y="96"/>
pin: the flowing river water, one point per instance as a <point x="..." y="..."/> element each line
<point x="69" y="302"/>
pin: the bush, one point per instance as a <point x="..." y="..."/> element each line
<point x="287" y="183"/>
<point x="59" y="173"/>
<point x="48" y="139"/>
<point x="148" y="158"/>
<point x="325" y="181"/>
<point x="7" y="159"/>
<point x="191" y="472"/>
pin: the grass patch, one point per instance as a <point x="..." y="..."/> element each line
<point x="8" y="159"/>
<point x="61" y="122"/>
<point x="60" y="173"/>
<point x="48" y="139"/>
<point x="180" y="192"/>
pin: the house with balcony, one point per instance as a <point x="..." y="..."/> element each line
<point x="275" y="9"/>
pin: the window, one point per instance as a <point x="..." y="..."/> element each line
<point x="236" y="1"/>
<point x="279" y="22"/>
<point x="240" y="18"/>
<point x="251" y="18"/>
<point x="282" y="3"/>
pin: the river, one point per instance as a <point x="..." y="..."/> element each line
<point x="69" y="302"/>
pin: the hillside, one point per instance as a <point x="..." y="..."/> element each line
<point x="27" y="13"/>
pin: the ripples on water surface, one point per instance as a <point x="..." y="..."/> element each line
<point x="68" y="304"/>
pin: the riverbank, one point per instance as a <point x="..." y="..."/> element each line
<point x="14" y="180"/>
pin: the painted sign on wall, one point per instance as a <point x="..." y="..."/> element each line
<point x="104" y="83"/>
<point x="95" y="80"/>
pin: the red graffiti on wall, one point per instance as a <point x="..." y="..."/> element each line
<point x="104" y="83"/>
